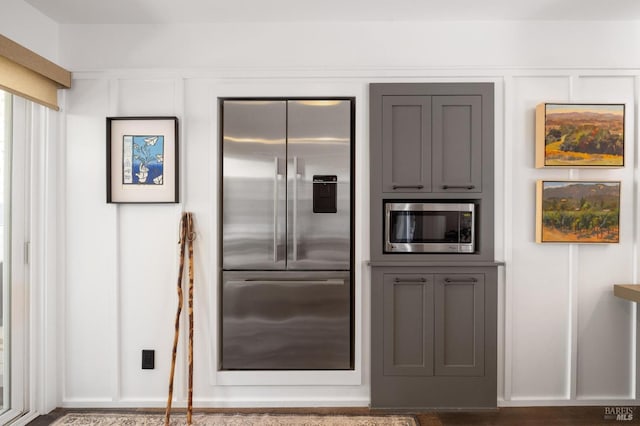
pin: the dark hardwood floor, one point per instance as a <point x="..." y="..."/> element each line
<point x="523" y="416"/>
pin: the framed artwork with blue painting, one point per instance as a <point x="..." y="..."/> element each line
<point x="142" y="160"/>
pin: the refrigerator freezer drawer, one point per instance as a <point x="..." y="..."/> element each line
<point x="286" y="321"/>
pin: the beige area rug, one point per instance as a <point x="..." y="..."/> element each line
<point x="102" y="419"/>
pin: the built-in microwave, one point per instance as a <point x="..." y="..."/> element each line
<point x="429" y="227"/>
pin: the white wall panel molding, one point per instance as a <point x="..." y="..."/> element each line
<point x="60" y="375"/>
<point x="572" y="321"/>
<point x="112" y="108"/>
<point x="572" y="287"/>
<point x="505" y="295"/>
<point x="210" y="129"/>
<point x="636" y="238"/>
<point x="383" y="74"/>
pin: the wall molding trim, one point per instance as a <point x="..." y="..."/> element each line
<point x="447" y="73"/>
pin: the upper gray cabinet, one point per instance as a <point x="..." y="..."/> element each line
<point x="431" y="143"/>
<point x="429" y="137"/>
<point x="406" y="144"/>
<point x="456" y="147"/>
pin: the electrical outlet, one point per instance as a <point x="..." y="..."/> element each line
<point x="148" y="359"/>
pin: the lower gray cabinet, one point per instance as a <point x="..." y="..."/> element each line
<point x="459" y="324"/>
<point x="433" y="337"/>
<point x="408" y="325"/>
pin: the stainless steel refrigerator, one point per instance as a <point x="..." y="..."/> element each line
<point x="287" y="225"/>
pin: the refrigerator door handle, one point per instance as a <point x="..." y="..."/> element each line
<point x="256" y="281"/>
<point x="276" y="193"/>
<point x="294" y="221"/>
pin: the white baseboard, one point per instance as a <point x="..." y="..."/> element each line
<point x="214" y="403"/>
<point x="566" y="402"/>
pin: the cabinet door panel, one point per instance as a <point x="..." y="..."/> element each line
<point x="459" y="324"/>
<point x="457" y="143"/>
<point x="408" y="325"/>
<point x="406" y="140"/>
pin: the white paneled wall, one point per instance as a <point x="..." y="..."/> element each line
<point x="538" y="342"/>
<point x="90" y="325"/>
<point x="132" y="302"/>
<point x="570" y="339"/>
<point x="598" y="312"/>
<point x="565" y="339"/>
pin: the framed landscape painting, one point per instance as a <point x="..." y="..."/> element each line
<point x="142" y="160"/>
<point x="577" y="211"/>
<point x="580" y="135"/>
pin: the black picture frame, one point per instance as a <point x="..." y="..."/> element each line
<point x="142" y="160"/>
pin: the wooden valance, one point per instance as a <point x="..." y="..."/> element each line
<point x="27" y="74"/>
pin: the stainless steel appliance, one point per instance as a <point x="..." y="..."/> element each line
<point x="286" y="233"/>
<point x="424" y="227"/>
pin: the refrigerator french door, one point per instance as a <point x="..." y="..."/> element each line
<point x="286" y="233"/>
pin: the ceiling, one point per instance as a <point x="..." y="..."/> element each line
<point x="209" y="11"/>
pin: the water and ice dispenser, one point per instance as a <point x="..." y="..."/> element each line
<point x="325" y="193"/>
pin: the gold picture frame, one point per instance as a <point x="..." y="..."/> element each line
<point x="577" y="211"/>
<point x="580" y="135"/>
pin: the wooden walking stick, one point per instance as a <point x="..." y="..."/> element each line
<point x="190" y="237"/>
<point x="186" y="237"/>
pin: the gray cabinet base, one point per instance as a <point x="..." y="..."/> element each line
<point x="433" y="392"/>
<point x="434" y="337"/>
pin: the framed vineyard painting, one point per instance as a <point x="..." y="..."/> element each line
<point x="580" y="135"/>
<point x="578" y="211"/>
<point x="142" y="160"/>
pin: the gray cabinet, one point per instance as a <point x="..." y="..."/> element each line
<point x="457" y="143"/>
<point x="406" y="148"/>
<point x="433" y="315"/>
<point x="432" y="141"/>
<point x="408" y="328"/>
<point x="433" y="337"/>
<point x="431" y="144"/>
<point x="459" y="316"/>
